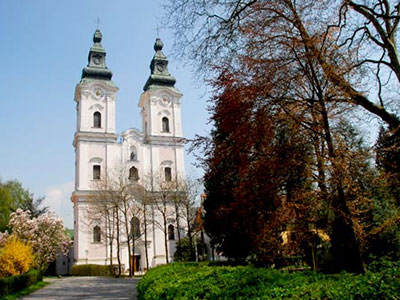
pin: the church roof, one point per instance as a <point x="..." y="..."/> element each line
<point x="96" y="68"/>
<point x="159" y="75"/>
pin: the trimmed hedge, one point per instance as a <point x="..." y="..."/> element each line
<point x="12" y="284"/>
<point x="201" y="281"/>
<point x="92" y="270"/>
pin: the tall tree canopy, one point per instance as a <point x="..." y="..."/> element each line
<point x="342" y="36"/>
<point x="286" y="74"/>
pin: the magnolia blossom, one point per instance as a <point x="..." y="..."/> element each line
<point x="46" y="234"/>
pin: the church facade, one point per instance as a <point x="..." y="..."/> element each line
<point x="154" y="153"/>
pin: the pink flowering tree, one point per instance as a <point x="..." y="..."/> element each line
<point x="45" y="233"/>
<point x="3" y="238"/>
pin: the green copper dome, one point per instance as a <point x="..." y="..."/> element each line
<point x="159" y="75"/>
<point x="96" y="68"/>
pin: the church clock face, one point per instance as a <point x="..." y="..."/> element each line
<point x="96" y="60"/>
<point x="160" y="67"/>
<point x="165" y="100"/>
<point x="98" y="92"/>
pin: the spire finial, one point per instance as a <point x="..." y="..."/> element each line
<point x="158" y="31"/>
<point x="97" y="36"/>
<point x="158" y="45"/>
<point x="98" y="23"/>
<point x="96" y="68"/>
<point x="159" y="76"/>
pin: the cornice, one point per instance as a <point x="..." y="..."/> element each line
<point x="165" y="141"/>
<point x="87" y="86"/>
<point x="84" y="136"/>
<point x="157" y="95"/>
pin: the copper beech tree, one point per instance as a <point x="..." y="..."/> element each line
<point x="285" y="75"/>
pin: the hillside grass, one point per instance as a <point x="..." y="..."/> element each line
<point x="180" y="281"/>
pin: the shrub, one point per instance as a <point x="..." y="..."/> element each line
<point x="14" y="284"/>
<point x="15" y="257"/>
<point x="202" y="281"/>
<point x="92" y="270"/>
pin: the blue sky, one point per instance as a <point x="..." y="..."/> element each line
<point x="43" y="47"/>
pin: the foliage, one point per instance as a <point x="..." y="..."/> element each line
<point x="26" y="291"/>
<point x="15" y="257"/>
<point x="258" y="166"/>
<point x="13" y="284"/>
<point x="185" y="248"/>
<point x="5" y="207"/>
<point x="92" y="270"/>
<point x="46" y="234"/>
<point x="286" y="75"/>
<point x="200" y="281"/>
<point x="13" y="196"/>
<point x="388" y="159"/>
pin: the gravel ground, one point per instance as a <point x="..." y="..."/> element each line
<point x="87" y="288"/>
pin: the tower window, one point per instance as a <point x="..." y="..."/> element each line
<point x="135" y="228"/>
<point x="165" y="124"/>
<point x="133" y="174"/>
<point x="97" y="120"/>
<point x="171" y="232"/>
<point x="168" y="174"/>
<point x="96" y="172"/>
<point x="96" y="234"/>
<point x="133" y="156"/>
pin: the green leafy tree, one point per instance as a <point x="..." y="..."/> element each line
<point x="13" y="196"/>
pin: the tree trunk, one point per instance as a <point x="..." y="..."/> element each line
<point x="111" y="237"/>
<point x="190" y="236"/>
<point x="165" y="237"/>
<point x="178" y="231"/>
<point x="145" y="236"/>
<point x="314" y="259"/>
<point x="118" y="244"/>
<point x="132" y="262"/>
<point x="129" y="237"/>
<point x="345" y="248"/>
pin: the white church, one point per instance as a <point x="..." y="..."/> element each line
<point x="156" y="149"/>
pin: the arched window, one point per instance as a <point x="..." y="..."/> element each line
<point x="97" y="120"/>
<point x="165" y="124"/>
<point x="133" y="174"/>
<point x="168" y="174"/>
<point x="96" y="234"/>
<point x="96" y="172"/>
<point x="135" y="228"/>
<point x="133" y="156"/>
<point x="171" y="232"/>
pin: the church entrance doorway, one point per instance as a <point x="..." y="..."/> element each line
<point x="135" y="262"/>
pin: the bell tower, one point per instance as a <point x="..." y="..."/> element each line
<point x="95" y="97"/>
<point x="161" y="118"/>
<point x="94" y="140"/>
<point x="160" y="102"/>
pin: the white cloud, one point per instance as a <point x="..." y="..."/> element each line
<point x="58" y="200"/>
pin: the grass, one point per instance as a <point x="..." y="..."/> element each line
<point x="34" y="287"/>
